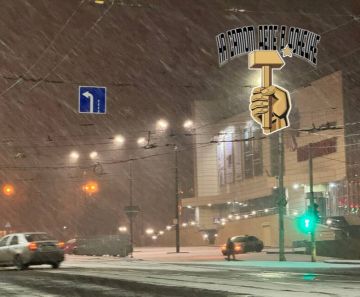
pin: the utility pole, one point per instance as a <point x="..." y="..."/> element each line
<point x="281" y="199"/>
<point x="131" y="206"/>
<point x="176" y="220"/>
<point x="312" y="202"/>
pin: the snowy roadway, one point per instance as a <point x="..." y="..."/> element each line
<point x="195" y="272"/>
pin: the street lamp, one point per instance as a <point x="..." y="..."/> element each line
<point x="74" y="155"/>
<point x="8" y="190"/>
<point x="119" y="139"/>
<point x="162" y="125"/>
<point x="93" y="155"/>
<point x="122" y="229"/>
<point x="149" y="231"/>
<point x="188" y="124"/>
<point x="141" y="141"/>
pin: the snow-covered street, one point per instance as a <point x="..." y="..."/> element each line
<point x="195" y="272"/>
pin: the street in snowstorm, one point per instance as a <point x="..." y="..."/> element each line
<point x="158" y="272"/>
<point x="179" y="148"/>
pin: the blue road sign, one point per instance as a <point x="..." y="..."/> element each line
<point x="92" y="99"/>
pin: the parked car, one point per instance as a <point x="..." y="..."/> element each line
<point x="114" y="245"/>
<point x="244" y="244"/>
<point x="34" y="248"/>
<point x="70" y="246"/>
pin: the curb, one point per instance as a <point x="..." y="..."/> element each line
<point x="342" y="261"/>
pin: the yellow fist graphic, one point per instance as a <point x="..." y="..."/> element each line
<point x="271" y="102"/>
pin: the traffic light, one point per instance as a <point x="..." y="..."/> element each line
<point x="8" y="190"/>
<point x="316" y="212"/>
<point x="306" y="223"/>
<point x="91" y="187"/>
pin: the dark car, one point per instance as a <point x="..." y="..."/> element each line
<point x="115" y="245"/>
<point x="244" y="244"/>
<point x="32" y="248"/>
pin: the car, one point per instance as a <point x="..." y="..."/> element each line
<point x="30" y="248"/>
<point x="244" y="244"/>
<point x="70" y="246"/>
<point x="115" y="245"/>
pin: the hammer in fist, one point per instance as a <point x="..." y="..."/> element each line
<point x="270" y="108"/>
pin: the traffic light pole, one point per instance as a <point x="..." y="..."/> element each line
<point x="312" y="208"/>
<point x="177" y="216"/>
<point x="281" y="200"/>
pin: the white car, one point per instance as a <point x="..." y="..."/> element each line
<point x="33" y="248"/>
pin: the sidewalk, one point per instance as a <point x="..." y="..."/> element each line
<point x="212" y="255"/>
<point x="300" y="250"/>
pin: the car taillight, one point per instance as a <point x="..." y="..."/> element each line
<point x="60" y="245"/>
<point x="32" y="246"/>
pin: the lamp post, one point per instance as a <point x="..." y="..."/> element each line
<point x="131" y="210"/>
<point x="161" y="126"/>
<point x="131" y="206"/>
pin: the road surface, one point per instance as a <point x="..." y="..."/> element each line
<point x="183" y="275"/>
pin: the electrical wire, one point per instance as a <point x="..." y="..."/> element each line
<point x="20" y="79"/>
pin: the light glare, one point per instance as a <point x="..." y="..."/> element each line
<point x="162" y="124"/>
<point x="93" y="155"/>
<point x="188" y="124"/>
<point x="74" y="155"/>
<point x="119" y="139"/>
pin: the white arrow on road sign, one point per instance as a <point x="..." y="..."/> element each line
<point x="90" y="96"/>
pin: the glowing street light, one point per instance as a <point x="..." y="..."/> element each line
<point x="188" y="124"/>
<point x="149" y="231"/>
<point x="154" y="237"/>
<point x="74" y="155"/>
<point x="119" y="139"/>
<point x="141" y="141"/>
<point x="93" y="155"/>
<point x="168" y="228"/>
<point x="8" y="190"/>
<point x="161" y="232"/>
<point x="122" y="229"/>
<point x="162" y="125"/>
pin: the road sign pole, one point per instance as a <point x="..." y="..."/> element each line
<point x="311" y="188"/>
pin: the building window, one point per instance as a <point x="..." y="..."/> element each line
<point x="252" y="150"/>
<point x="225" y="156"/>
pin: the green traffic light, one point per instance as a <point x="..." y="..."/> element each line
<point x="306" y="223"/>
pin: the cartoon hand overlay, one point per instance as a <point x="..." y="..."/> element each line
<point x="274" y="100"/>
